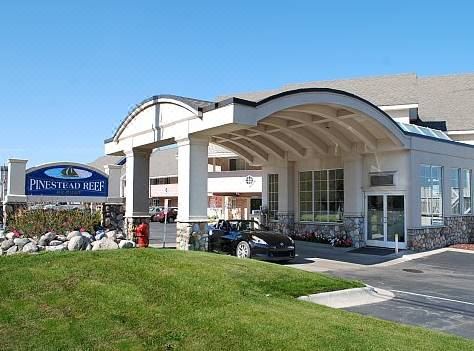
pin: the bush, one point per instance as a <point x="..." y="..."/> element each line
<point x="38" y="222"/>
<point x="339" y="240"/>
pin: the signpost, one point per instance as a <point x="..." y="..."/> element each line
<point x="166" y="221"/>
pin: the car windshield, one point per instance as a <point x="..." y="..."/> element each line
<point x="244" y="225"/>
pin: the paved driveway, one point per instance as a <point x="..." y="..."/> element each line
<point x="435" y="292"/>
<point x="157" y="234"/>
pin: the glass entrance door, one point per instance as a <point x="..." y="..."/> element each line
<point x="385" y="218"/>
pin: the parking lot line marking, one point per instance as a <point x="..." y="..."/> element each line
<point x="433" y="297"/>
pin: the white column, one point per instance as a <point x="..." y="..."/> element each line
<point x="137" y="178"/>
<point x="16" y="181"/>
<point x="192" y="180"/>
<point x="192" y="193"/>
<point x="286" y="186"/>
<point x="353" y="182"/>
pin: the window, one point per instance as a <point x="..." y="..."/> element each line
<point x="454" y="182"/>
<point x="381" y="179"/>
<point x="306" y="197"/>
<point x="466" y="191"/>
<point x="431" y="195"/>
<point x="237" y="164"/>
<point x="163" y="180"/>
<point x="321" y="195"/>
<point x="273" y="196"/>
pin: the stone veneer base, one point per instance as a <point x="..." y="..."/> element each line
<point x="187" y="230"/>
<point x="456" y="230"/>
<point x="351" y="225"/>
<point x="113" y="216"/>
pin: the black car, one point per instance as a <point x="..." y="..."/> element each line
<point x="245" y="239"/>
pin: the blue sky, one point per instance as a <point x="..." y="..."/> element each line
<point x="70" y="71"/>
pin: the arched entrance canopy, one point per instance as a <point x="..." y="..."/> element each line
<point x="297" y="123"/>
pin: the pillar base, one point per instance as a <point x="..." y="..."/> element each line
<point x="113" y="216"/>
<point x="191" y="236"/>
<point x="131" y="223"/>
<point x="354" y="227"/>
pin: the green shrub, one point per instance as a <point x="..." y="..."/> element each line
<point x="38" y="222"/>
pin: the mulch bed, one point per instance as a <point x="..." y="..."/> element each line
<point x="463" y="246"/>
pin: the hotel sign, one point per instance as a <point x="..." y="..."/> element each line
<point x="66" y="180"/>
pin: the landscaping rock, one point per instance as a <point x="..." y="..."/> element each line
<point x="49" y="236"/>
<point x="126" y="244"/>
<point x="99" y="235"/>
<point x="104" y="244"/>
<point x="55" y="242"/>
<point x="61" y="247"/>
<point x="43" y="241"/>
<point x="20" y="242"/>
<point x="30" y="247"/>
<point x="88" y="236"/>
<point x="89" y="247"/>
<point x="111" y="234"/>
<point x="46" y="238"/>
<point x="12" y="250"/>
<point x="61" y="238"/>
<point x="73" y="234"/>
<point x="10" y="235"/>
<point x="120" y="236"/>
<point x="77" y="243"/>
<point x="7" y="244"/>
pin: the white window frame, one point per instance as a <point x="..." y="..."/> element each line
<point x="314" y="212"/>
<point x="429" y="199"/>
<point x="272" y="203"/>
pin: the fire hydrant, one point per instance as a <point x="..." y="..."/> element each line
<point x="142" y="234"/>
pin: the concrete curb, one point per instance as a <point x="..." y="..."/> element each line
<point x="410" y="257"/>
<point x="349" y="297"/>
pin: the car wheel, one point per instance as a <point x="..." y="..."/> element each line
<point x="242" y="250"/>
<point x="170" y="219"/>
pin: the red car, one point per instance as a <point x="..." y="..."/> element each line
<point x="171" y="214"/>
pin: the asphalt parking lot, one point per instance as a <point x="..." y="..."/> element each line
<point x="158" y="234"/>
<point x="435" y="292"/>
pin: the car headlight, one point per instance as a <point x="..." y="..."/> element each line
<point x="259" y="241"/>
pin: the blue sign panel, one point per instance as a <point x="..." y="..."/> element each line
<point x="66" y="180"/>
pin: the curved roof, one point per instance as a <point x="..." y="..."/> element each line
<point x="195" y="105"/>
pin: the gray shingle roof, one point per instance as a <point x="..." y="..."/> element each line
<point x="440" y="98"/>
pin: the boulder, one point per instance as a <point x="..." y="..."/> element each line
<point x="61" y="247"/>
<point x="126" y="244"/>
<point x="77" y="243"/>
<point x="99" y="235"/>
<point x="43" y="242"/>
<point x="73" y="234"/>
<point x="55" y="242"/>
<point x="46" y="238"/>
<point x="10" y="235"/>
<point x="20" y="242"/>
<point x="30" y="247"/>
<point x="89" y="236"/>
<point x="104" y="244"/>
<point x="61" y="238"/>
<point x="5" y="245"/>
<point x="120" y="236"/>
<point x="111" y="234"/>
<point x="89" y="247"/>
<point x="12" y="250"/>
